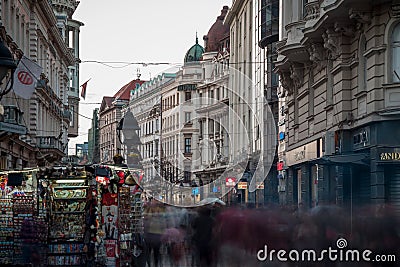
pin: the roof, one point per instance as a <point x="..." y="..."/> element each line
<point x="125" y="92"/>
<point x="195" y="53"/>
<point x="107" y="102"/>
<point x="217" y="33"/>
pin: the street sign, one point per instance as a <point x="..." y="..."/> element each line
<point x="230" y="181"/>
<point x="195" y="191"/>
<point x="215" y="189"/>
<point x="242" y="185"/>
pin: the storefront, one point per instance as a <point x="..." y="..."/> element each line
<point x="389" y="159"/>
<point x="303" y="175"/>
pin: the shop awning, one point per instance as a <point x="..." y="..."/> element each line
<point x="351" y="158"/>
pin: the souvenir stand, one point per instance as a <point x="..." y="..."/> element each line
<point x="22" y="231"/>
<point x="120" y="215"/>
<point x="68" y="192"/>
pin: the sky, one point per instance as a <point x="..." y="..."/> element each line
<point x="134" y="31"/>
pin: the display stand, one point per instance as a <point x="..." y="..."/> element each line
<point x="25" y="236"/>
<point x="67" y="220"/>
<point x="6" y="231"/>
<point x="120" y="212"/>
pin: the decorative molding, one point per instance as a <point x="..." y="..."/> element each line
<point x="395" y="10"/>
<point x="286" y="82"/>
<point x="345" y="29"/>
<point x="312" y="10"/>
<point x="297" y="74"/>
<point x="332" y="43"/>
<point x="362" y="17"/>
<point x="317" y="55"/>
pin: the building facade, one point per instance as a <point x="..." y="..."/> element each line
<point x="211" y="111"/>
<point x="253" y="85"/>
<point x="146" y="106"/>
<point x="109" y="119"/>
<point x="339" y="73"/>
<point x="41" y="123"/>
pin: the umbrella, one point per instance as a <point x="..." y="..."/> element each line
<point x="212" y="200"/>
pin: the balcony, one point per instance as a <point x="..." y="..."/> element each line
<point x="49" y="142"/>
<point x="312" y="9"/>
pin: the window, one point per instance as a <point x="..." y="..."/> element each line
<point x="188" y="96"/>
<point x="396" y="54"/>
<point x="201" y="129"/>
<point x="155" y="147"/>
<point x="186" y="177"/>
<point x="187" y="117"/>
<point x="188" y="145"/>
<point x="362" y="65"/>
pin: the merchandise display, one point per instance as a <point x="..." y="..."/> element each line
<point x="68" y="192"/>
<point x="71" y="216"/>
<point x="6" y="231"/>
<point x="120" y="215"/>
<point x="25" y="233"/>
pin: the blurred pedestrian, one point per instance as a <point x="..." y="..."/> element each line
<point x="202" y="236"/>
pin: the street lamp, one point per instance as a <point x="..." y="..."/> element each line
<point x="7" y="64"/>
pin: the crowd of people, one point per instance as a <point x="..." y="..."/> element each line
<point x="216" y="235"/>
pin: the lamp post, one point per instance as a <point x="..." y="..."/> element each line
<point x="7" y="65"/>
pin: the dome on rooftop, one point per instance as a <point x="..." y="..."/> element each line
<point x="217" y="33"/>
<point x="195" y="53"/>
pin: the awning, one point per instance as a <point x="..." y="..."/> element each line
<point x="344" y="159"/>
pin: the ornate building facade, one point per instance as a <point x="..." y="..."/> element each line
<point x="35" y="30"/>
<point x="339" y="74"/>
<point x="211" y="112"/>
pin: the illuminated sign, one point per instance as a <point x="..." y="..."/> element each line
<point x="279" y="166"/>
<point x="242" y="185"/>
<point x="230" y="181"/>
<point x="390" y="156"/>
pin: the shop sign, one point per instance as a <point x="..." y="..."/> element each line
<point x="301" y="154"/>
<point x="195" y="191"/>
<point x="242" y="185"/>
<point x="279" y="166"/>
<point x="281" y="136"/>
<point x="281" y="122"/>
<point x="187" y="87"/>
<point x="390" y="156"/>
<point x="230" y="181"/>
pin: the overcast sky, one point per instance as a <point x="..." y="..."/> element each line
<point x="134" y="31"/>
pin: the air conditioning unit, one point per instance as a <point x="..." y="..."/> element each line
<point x="329" y="143"/>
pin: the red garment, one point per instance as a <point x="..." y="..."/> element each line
<point x="110" y="199"/>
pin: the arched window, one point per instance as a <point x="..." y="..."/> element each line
<point x="396" y="54"/>
<point x="362" y="65"/>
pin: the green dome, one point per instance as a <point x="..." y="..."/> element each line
<point x="195" y="53"/>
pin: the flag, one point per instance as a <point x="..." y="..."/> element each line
<point x="83" y="92"/>
<point x="25" y="77"/>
